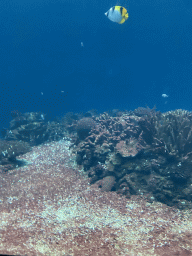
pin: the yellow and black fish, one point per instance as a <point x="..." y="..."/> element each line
<point x="117" y="14"/>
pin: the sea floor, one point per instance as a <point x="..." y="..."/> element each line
<point x="48" y="207"/>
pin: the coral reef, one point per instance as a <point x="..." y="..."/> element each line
<point x="133" y="152"/>
<point x="31" y="127"/>
<point x="145" y="151"/>
<point x="25" y="131"/>
<point x="135" y="163"/>
<point x="9" y="150"/>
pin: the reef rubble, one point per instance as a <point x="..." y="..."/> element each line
<point x="49" y="207"/>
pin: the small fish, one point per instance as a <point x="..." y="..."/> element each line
<point x="165" y="95"/>
<point x="117" y="14"/>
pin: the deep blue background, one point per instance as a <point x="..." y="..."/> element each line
<point x="120" y="66"/>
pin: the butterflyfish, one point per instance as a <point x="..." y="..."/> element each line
<point x="117" y="14"/>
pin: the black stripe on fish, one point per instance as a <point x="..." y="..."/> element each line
<point x="121" y="10"/>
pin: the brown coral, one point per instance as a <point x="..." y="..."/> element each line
<point x="129" y="147"/>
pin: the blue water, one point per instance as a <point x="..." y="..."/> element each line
<point x="44" y="67"/>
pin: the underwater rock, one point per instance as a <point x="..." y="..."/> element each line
<point x="84" y="126"/>
<point x="107" y="183"/>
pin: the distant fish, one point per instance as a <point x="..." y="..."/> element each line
<point x="117" y="14"/>
<point x="165" y="95"/>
